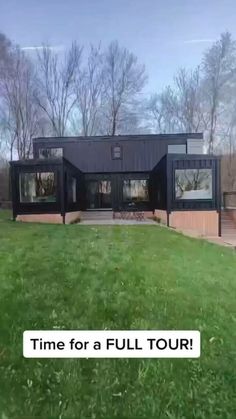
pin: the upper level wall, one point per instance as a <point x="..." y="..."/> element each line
<point x="94" y="154"/>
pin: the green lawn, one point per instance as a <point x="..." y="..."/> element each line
<point x="115" y="277"/>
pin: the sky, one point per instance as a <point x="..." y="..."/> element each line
<point x="164" y="34"/>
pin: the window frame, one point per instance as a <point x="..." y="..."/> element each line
<point x="35" y="203"/>
<point x="74" y="190"/>
<point x="113" y="152"/>
<point x="200" y="199"/>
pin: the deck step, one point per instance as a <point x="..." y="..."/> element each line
<point x="96" y="215"/>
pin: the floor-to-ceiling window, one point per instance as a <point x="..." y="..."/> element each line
<point x="98" y="194"/>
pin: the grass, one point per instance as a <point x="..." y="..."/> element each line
<point x="115" y="277"/>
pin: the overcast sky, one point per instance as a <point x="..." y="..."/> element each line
<point x="164" y="34"/>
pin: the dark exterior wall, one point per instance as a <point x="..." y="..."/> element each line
<point x="91" y="159"/>
<point x="163" y="182"/>
<point x="117" y="187"/>
<point x="63" y="171"/>
<point x="94" y="154"/>
<point x="159" y="184"/>
<point x="70" y="171"/>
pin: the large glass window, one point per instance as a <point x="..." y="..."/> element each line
<point x="135" y="190"/>
<point x="37" y="187"/>
<point x="193" y="184"/>
<point x="50" y="153"/>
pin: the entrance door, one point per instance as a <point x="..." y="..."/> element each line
<point x="98" y="194"/>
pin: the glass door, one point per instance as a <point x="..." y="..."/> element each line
<point x="104" y="191"/>
<point x="98" y="194"/>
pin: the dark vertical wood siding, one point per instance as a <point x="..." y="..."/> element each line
<point x="94" y="155"/>
<point x="159" y="185"/>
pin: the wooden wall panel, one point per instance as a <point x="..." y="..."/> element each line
<point x="40" y="218"/>
<point x="205" y="223"/>
<point x="70" y="217"/>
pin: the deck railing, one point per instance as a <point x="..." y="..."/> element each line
<point x="229" y="200"/>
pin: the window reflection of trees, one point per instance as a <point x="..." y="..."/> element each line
<point x="193" y="184"/>
<point x="135" y="190"/>
<point x="37" y="187"/>
<point x="47" y="153"/>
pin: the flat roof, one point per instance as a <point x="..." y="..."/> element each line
<point x="146" y="137"/>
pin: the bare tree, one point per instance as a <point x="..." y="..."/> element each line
<point x="163" y="111"/>
<point x="89" y="93"/>
<point x="156" y="113"/>
<point x="56" y="85"/>
<point x="191" y="110"/>
<point x="5" y="52"/>
<point x="228" y="172"/>
<point x="20" y="114"/>
<point x="219" y="70"/>
<point x="7" y="133"/>
<point x="123" y="80"/>
<point x="181" y="107"/>
<point x="4" y="180"/>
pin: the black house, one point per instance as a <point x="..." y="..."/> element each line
<point x="167" y="175"/>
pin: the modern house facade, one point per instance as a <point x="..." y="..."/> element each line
<point x="166" y="175"/>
